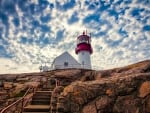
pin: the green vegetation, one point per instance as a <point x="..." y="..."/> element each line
<point x="20" y="94"/>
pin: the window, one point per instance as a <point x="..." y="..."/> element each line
<point x="66" y="64"/>
<point x="82" y="62"/>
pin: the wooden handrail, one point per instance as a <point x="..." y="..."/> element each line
<point x="11" y="105"/>
<point x="16" y="102"/>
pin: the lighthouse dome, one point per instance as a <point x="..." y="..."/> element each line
<point x="83" y="39"/>
<point x="83" y="43"/>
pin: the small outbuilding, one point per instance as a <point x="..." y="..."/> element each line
<point x="65" y="61"/>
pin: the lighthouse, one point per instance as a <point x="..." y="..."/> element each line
<point x="84" y="50"/>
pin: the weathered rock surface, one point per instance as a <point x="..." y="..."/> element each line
<point x="119" y="90"/>
<point x="8" y="85"/>
<point x="120" y="94"/>
<point x="13" y="86"/>
<point x="144" y="89"/>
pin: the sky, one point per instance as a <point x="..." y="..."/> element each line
<point x="34" y="32"/>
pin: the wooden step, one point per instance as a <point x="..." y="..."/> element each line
<point x="43" y="91"/>
<point x="41" y="97"/>
<point x="47" y="89"/>
<point x="37" y="108"/>
<point x="40" y="102"/>
<point x="35" y="112"/>
<point x="42" y="94"/>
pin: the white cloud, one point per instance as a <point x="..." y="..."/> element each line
<point x="28" y="56"/>
<point x="9" y="66"/>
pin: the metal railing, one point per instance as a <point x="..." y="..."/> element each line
<point x="79" y="66"/>
<point x="71" y="66"/>
<point x="19" y="104"/>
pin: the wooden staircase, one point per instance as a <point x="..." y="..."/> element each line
<point x="40" y="103"/>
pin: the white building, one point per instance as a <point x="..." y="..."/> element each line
<point x="83" y="50"/>
<point x="65" y="61"/>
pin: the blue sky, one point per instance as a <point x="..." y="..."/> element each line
<point x="33" y="32"/>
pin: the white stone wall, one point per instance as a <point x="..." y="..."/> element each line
<point x="65" y="61"/>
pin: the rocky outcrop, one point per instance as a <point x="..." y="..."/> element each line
<point x="13" y="86"/>
<point x="141" y="67"/>
<point x="119" y="90"/>
<point x="144" y="89"/>
<point x="8" y="85"/>
<point x="116" y="94"/>
<point x="54" y="100"/>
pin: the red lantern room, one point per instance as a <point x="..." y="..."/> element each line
<point x="84" y="43"/>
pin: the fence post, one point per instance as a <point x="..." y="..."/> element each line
<point x="22" y="104"/>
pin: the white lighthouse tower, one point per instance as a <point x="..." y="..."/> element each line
<point x="84" y="50"/>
